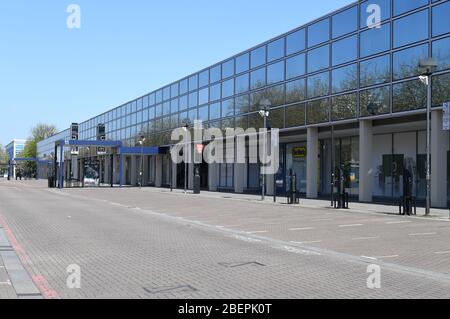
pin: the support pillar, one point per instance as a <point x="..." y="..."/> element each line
<point x="312" y="159"/>
<point x="213" y="176"/>
<point x="439" y="147"/>
<point x="365" y="161"/>
<point x="159" y="167"/>
<point x="240" y="177"/>
<point x="134" y="170"/>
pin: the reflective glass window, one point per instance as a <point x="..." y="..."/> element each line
<point x="228" y="108"/>
<point x="411" y="28"/>
<point x="441" y="53"/>
<point x="375" y="40"/>
<point x="318" y="85"/>
<point x="203" y="96"/>
<point x="159" y="111"/>
<point x="319" y="58"/>
<point x="345" y="78"/>
<point x="214" y="92"/>
<point x="319" y="32"/>
<point x="166" y="93"/>
<point x="174" y="105"/>
<point x="441" y="22"/>
<point x="344" y="107"/>
<point x="275" y="50"/>
<point x="258" y="78"/>
<point x="295" y="42"/>
<point x="214" y="111"/>
<point x="183" y="102"/>
<point x="368" y="11"/>
<point x="258" y="57"/>
<point x="275" y="72"/>
<point x="402" y="6"/>
<point x="295" y="66"/>
<point x="277" y="118"/>
<point x="406" y="62"/>
<point x="228" y="69"/>
<point x="174" y="90"/>
<point x="276" y="95"/>
<point x="193" y="83"/>
<point x="152" y="99"/>
<point x="318" y="111"/>
<point x="166" y="108"/>
<point x="409" y="95"/>
<point x="375" y="101"/>
<point x="242" y="63"/>
<point x="242" y="83"/>
<point x="203" y="113"/>
<point x="215" y="74"/>
<point x="228" y="88"/>
<point x="193" y="99"/>
<point x="295" y="91"/>
<point x="345" y="22"/>
<point x="345" y="50"/>
<point x="255" y="99"/>
<point x="183" y="86"/>
<point x="375" y="71"/>
<point x="158" y="96"/>
<point x="242" y="104"/>
<point x="203" y="78"/>
<point x="441" y="93"/>
<point x="295" y="115"/>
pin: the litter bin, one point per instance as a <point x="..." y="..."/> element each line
<point x="197" y="181"/>
<point x="51" y="182"/>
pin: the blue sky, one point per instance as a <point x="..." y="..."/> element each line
<point x="124" y="49"/>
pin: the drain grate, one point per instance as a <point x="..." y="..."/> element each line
<point x="241" y="264"/>
<point x="165" y="289"/>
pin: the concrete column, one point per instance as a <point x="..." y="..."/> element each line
<point x="213" y="176"/>
<point x="439" y="147"/>
<point x="159" y="167"/>
<point x="191" y="176"/>
<point x="312" y="162"/>
<point x="174" y="175"/>
<point x="134" y="169"/>
<point x="365" y="161"/>
<point x="269" y="184"/>
<point x="107" y="165"/>
<point x="240" y="177"/>
<point x="145" y="170"/>
<point x="124" y="170"/>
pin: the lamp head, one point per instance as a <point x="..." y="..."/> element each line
<point x="427" y="66"/>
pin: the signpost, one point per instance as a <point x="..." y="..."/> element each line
<point x="446" y="126"/>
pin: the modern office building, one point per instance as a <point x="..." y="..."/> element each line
<point x="14" y="149"/>
<point x="338" y="72"/>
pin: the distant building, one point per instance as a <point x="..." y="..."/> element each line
<point x="14" y="149"/>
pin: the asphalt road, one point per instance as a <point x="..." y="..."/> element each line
<point x="150" y="243"/>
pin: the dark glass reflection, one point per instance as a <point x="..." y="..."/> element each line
<point x="276" y="118"/>
<point x="409" y="95"/>
<point x="344" y="106"/>
<point x="375" y="71"/>
<point x="375" y="101"/>
<point x="345" y="78"/>
<point x="242" y="104"/>
<point x="406" y="62"/>
<point x="318" y="85"/>
<point x="441" y="92"/>
<point x="317" y="111"/>
<point x="295" y="115"/>
<point x="441" y="53"/>
<point x="276" y="95"/>
<point x="295" y="91"/>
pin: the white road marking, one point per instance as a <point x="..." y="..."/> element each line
<point x="6" y="283"/>
<point x="300" y="251"/>
<point x="247" y="239"/>
<point x="257" y="232"/>
<point x="351" y="225"/>
<point x="321" y="219"/>
<point x="371" y="258"/>
<point x="306" y="242"/>
<point x="442" y="252"/>
<point x="398" y="222"/>
<point x="228" y="226"/>
<point x="385" y="257"/>
<point x="304" y="228"/>
<point x="364" y="238"/>
<point x="422" y="234"/>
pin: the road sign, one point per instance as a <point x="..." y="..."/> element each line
<point x="446" y="117"/>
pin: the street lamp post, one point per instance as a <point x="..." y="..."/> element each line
<point x="185" y="127"/>
<point x="141" y="142"/>
<point x="426" y="69"/>
<point x="265" y="105"/>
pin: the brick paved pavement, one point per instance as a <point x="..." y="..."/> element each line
<point x="149" y="243"/>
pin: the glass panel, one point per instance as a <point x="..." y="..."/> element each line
<point x="166" y="93"/>
<point x="441" y="22"/>
<point x="183" y="102"/>
<point x="375" y="71"/>
<point x="228" y="88"/>
<point x="406" y="61"/>
<point x="409" y="96"/>
<point x="193" y="99"/>
<point x="441" y="92"/>
<point x="318" y="85"/>
<point x="441" y="53"/>
<point x="344" y="107"/>
<point x="295" y="115"/>
<point x="166" y="108"/>
<point x="411" y="28"/>
<point x="242" y="104"/>
<point x="318" y="59"/>
<point x="203" y="96"/>
<point x="276" y="118"/>
<point x="255" y="99"/>
<point x="256" y="121"/>
<point x="402" y="6"/>
<point x="345" y="50"/>
<point x="183" y="86"/>
<point x="203" y="113"/>
<point x="203" y="78"/>
<point x="295" y="42"/>
<point x="242" y="63"/>
<point x="258" y="78"/>
<point x="174" y="90"/>
<point x="214" y="111"/>
<point x="193" y="83"/>
<point x="317" y="111"/>
<point x="345" y="78"/>
<point x="295" y="91"/>
<point x="375" y="101"/>
<point x="366" y="14"/>
<point x="295" y="66"/>
<point x="228" y="108"/>
<point x="174" y="105"/>
<point x="275" y="72"/>
<point x="345" y="22"/>
<point x="214" y="93"/>
<point x="319" y="32"/>
<point x="258" y="57"/>
<point x="242" y="83"/>
<point x="227" y="69"/>
<point x="375" y="40"/>
<point x="276" y="94"/>
<point x="241" y="121"/>
<point x="158" y="96"/>
<point x="215" y="74"/>
<point x="275" y="50"/>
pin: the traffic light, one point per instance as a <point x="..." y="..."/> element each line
<point x="74" y="131"/>
<point x="101" y="132"/>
